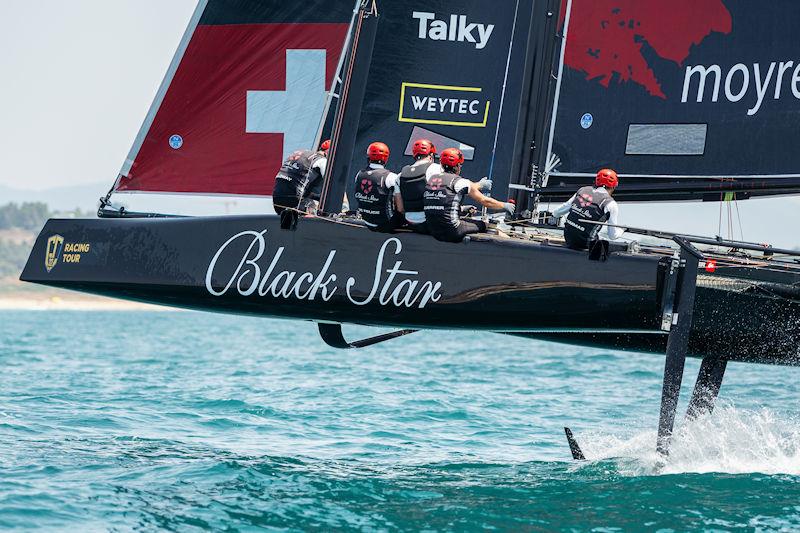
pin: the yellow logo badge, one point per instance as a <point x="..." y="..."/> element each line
<point x="54" y="245"/>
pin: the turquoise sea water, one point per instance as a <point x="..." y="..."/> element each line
<point x="189" y="422"/>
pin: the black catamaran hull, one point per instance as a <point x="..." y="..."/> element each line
<point x="333" y="272"/>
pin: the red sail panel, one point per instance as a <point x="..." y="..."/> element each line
<point x="233" y="108"/>
<point x="607" y="38"/>
<point x="206" y="105"/>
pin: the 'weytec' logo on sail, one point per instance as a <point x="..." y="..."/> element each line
<point x="241" y="265"/>
<point x="446" y="105"/>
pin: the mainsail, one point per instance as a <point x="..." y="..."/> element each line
<point x="247" y="86"/>
<point x="694" y="114"/>
<point x="688" y="99"/>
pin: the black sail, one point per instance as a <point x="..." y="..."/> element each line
<point x="690" y="100"/>
<point x="452" y="72"/>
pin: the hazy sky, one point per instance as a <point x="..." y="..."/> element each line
<point x="78" y="77"/>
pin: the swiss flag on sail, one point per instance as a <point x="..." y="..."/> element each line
<point x="243" y="96"/>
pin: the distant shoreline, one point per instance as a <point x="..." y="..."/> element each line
<point x="18" y="296"/>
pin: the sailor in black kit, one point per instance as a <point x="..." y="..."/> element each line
<point x="444" y="194"/>
<point x="413" y="179"/>
<point x="299" y="178"/>
<point x="378" y="192"/>
<point x="591" y="203"/>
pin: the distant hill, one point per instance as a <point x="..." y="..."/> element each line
<point x="65" y="198"/>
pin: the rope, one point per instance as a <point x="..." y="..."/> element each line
<point x="312" y="215"/>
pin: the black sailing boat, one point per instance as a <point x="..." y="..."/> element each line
<point x="253" y="80"/>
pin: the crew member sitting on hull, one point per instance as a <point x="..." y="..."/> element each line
<point x="378" y="192"/>
<point x="591" y="203"/>
<point x="413" y="179"/>
<point x="298" y="181"/>
<point x="444" y="194"/>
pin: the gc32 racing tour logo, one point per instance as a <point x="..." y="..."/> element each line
<point x="71" y="252"/>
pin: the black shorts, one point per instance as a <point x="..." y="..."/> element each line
<point x="421" y="228"/>
<point x="281" y="203"/>
<point x="396" y="222"/>
<point x="457" y="234"/>
<point x="576" y="244"/>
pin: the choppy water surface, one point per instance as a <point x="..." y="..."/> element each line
<point x="185" y="421"/>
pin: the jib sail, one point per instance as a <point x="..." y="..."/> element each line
<point x="687" y="99"/>
<point x="451" y="72"/>
<point x="247" y="86"/>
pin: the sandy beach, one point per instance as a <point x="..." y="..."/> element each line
<point x="17" y="295"/>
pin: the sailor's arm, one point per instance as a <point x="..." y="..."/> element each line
<point x="614" y="233"/>
<point x="316" y="177"/>
<point x="490" y="203"/>
<point x="321" y="164"/>
<point x="393" y="182"/>
<point x="563" y="209"/>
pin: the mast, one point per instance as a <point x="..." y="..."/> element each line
<point x="348" y="113"/>
<point x="324" y="121"/>
<point x="533" y="122"/>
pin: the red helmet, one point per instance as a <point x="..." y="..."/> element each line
<point x="423" y="147"/>
<point x="325" y="146"/>
<point x="378" y="152"/>
<point x="606" y="178"/>
<point x="451" y="157"/>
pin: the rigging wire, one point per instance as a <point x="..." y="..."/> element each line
<point x="503" y="94"/>
<point x="502" y="97"/>
<point x="730" y="219"/>
<point x="739" y="216"/>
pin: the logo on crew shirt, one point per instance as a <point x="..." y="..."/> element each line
<point x="585" y="200"/>
<point x="366" y="186"/>
<point x="435" y="184"/>
<point x="445" y="105"/>
<point x="454" y="29"/>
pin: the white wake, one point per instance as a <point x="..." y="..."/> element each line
<point x="735" y="441"/>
